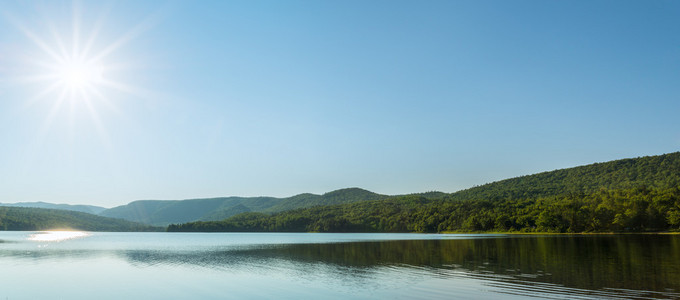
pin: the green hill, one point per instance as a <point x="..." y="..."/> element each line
<point x="349" y="195"/>
<point x="629" y="195"/>
<point x="164" y="212"/>
<point x="24" y="218"/>
<point x="656" y="172"/>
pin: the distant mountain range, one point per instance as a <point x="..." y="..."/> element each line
<point x="90" y="209"/>
<point x="165" y="212"/>
<point x="658" y="176"/>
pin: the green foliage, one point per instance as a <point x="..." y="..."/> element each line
<point x="662" y="171"/>
<point x="226" y="212"/>
<point x="22" y="218"/>
<point x="633" y="210"/>
<point x="631" y="195"/>
<point x="349" y="195"/>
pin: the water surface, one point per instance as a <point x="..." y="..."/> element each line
<point x="39" y="265"/>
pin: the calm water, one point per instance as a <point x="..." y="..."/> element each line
<point x="39" y="265"/>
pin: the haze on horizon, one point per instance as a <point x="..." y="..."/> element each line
<point x="106" y="103"/>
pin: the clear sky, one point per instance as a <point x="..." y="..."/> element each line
<point x="106" y="103"/>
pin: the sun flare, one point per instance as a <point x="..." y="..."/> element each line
<point x="79" y="74"/>
<point x="74" y="56"/>
<point x="69" y="68"/>
<point x="74" y="65"/>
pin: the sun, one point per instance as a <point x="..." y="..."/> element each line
<point x="79" y="74"/>
<point x="73" y="65"/>
<point x="68" y="66"/>
<point x="74" y="54"/>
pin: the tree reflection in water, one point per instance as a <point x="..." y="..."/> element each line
<point x="601" y="265"/>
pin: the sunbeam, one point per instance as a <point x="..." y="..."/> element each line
<point x="74" y="66"/>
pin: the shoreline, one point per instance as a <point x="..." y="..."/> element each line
<point x="565" y="233"/>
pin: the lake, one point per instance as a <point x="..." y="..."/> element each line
<point x="93" y="265"/>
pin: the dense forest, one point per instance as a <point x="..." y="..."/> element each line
<point x="24" y="218"/>
<point x="654" y="172"/>
<point x="630" y="195"/>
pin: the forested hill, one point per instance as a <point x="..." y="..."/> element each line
<point x="630" y="195"/>
<point x="164" y="212"/>
<point x="639" y="194"/>
<point x="24" y="218"/>
<point x="654" y="172"/>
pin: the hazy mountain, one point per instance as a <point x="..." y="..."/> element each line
<point x="31" y="218"/>
<point x="164" y="212"/>
<point x="90" y="209"/>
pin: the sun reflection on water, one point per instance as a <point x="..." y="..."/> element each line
<point x="56" y="236"/>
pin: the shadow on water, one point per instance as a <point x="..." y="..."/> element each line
<point x="634" y="266"/>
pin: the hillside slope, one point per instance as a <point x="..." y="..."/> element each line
<point x="90" y="209"/>
<point x="165" y="212"/>
<point x="656" y="172"/>
<point x="25" y="218"/>
<point x="630" y="195"/>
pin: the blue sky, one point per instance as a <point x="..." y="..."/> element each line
<point x="220" y="98"/>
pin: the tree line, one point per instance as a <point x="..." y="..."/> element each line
<point x="638" y="209"/>
<point x="627" y="195"/>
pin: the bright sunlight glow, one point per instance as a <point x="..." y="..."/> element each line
<point x="56" y="236"/>
<point x="74" y="62"/>
<point x="73" y="65"/>
<point x="79" y="75"/>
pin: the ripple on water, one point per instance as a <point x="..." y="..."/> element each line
<point x="519" y="286"/>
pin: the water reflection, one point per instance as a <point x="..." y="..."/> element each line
<point x="629" y="266"/>
<point x="606" y="266"/>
